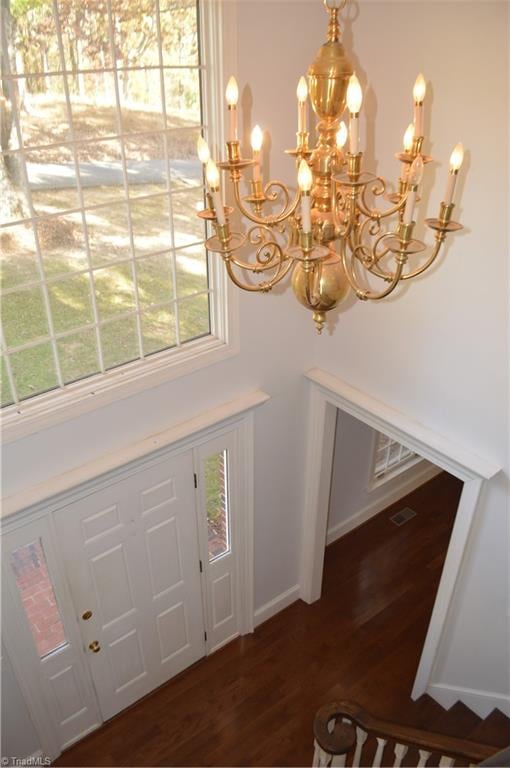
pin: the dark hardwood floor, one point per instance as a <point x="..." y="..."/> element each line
<point x="253" y="702"/>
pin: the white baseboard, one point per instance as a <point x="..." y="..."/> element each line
<point x="481" y="702"/>
<point x="390" y="497"/>
<point x="276" y="605"/>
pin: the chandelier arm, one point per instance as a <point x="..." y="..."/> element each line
<point x="268" y="220"/>
<point x="375" y="213"/>
<point x="349" y="270"/>
<point x="433" y="256"/>
<point x="397" y="276"/>
<point x="283" y="268"/>
<point x="264" y="264"/>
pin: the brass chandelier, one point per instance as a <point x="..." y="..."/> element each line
<point x="330" y="232"/>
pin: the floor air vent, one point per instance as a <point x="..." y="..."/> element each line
<point x="399" y="518"/>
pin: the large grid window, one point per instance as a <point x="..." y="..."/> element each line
<point x="103" y="258"/>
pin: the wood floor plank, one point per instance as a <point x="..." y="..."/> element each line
<point x="253" y="702"/>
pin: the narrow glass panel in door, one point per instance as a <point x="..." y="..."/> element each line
<point x="217" y="498"/>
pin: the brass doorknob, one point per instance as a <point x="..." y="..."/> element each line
<point x="94" y="646"/>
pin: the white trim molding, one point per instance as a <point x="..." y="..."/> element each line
<point x="37" y="495"/>
<point x="277" y="604"/>
<point x="329" y="393"/>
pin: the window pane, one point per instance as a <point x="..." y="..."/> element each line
<point x="158" y="330"/>
<point x="108" y="231"/>
<point x="194" y="317"/>
<point x="150" y="219"/>
<point x="6" y="394"/>
<point x="18" y="255"/>
<point x="38" y="598"/>
<point x="24" y="316"/>
<point x="185" y="167"/>
<point x="155" y="279"/>
<point x="78" y="355"/>
<point x="217" y="504"/>
<point x="188" y="228"/>
<point x="71" y="303"/>
<point x="62" y="244"/>
<point x="94" y="112"/>
<point x="33" y="370"/>
<point x="179" y="28"/>
<point x="182" y="95"/>
<point x="120" y="342"/>
<point x="191" y="270"/>
<point x="44" y="119"/>
<point x="114" y="290"/>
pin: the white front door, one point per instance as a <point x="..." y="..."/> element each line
<point x="131" y="555"/>
<point x="218" y="515"/>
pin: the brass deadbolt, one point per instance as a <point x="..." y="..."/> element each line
<point x="87" y="615"/>
<point x="94" y="646"/>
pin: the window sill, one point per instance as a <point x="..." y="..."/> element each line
<point x="54" y="407"/>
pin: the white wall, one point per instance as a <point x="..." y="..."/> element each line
<point x="439" y="351"/>
<point x="353" y="500"/>
<point x="436" y="352"/>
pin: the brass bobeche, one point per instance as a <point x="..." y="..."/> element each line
<point x="348" y="237"/>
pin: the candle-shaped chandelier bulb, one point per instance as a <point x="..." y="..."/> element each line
<point x="341" y="136"/>
<point x="302" y="95"/>
<point x="257" y="138"/>
<point x="456" y="159"/>
<point x="232" y="97"/>
<point x="232" y="92"/>
<point x="354" y="95"/>
<point x="414" y="179"/>
<point x="305" y="180"/>
<point x="409" y="138"/>
<point x="212" y="175"/>
<point x="408" y="146"/>
<point x="213" y="179"/>
<point x="354" y="100"/>
<point x="203" y="150"/>
<point x="419" y="91"/>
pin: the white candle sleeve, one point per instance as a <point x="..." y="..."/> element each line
<point x="256" y="167"/>
<point x="353" y="134"/>
<point x="450" y="187"/>
<point x="301" y="116"/>
<point x="306" y="213"/>
<point x="418" y="120"/>
<point x="218" y="207"/>
<point x="409" y="209"/>
<point x="233" y="123"/>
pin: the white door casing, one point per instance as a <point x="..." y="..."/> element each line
<point x="329" y="393"/>
<point x="131" y="558"/>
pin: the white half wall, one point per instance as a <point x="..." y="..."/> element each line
<point x="352" y="500"/>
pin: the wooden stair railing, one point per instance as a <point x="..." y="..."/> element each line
<point x="345" y="734"/>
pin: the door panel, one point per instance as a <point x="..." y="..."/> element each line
<point x="131" y="557"/>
